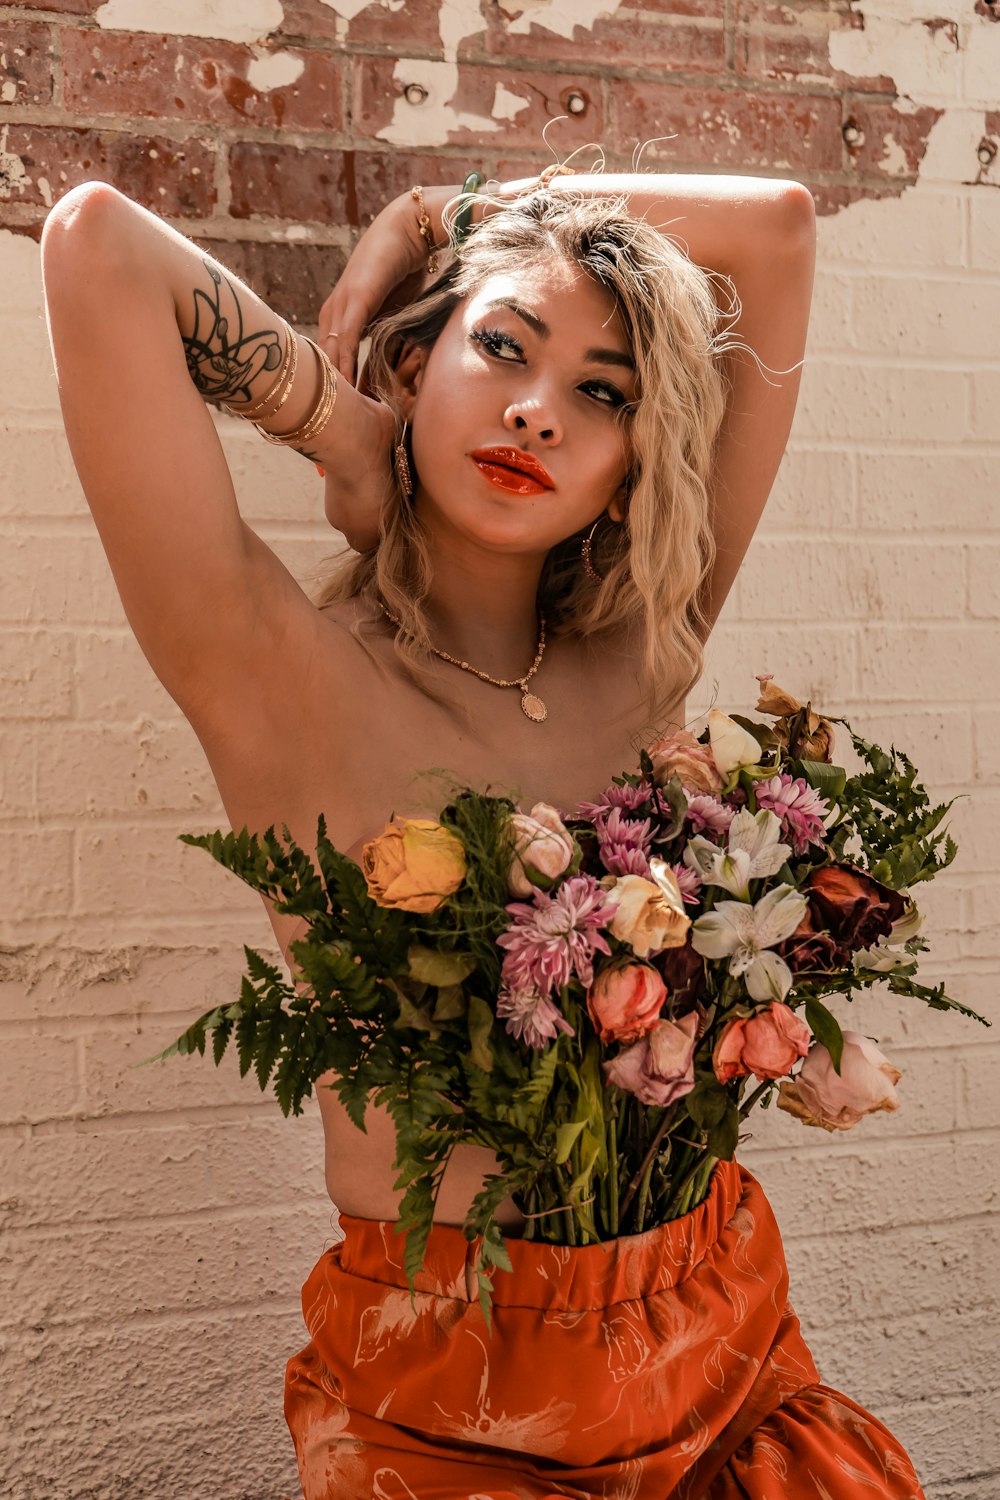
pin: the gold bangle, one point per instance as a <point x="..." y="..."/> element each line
<point x="546" y="175"/>
<point x="321" y="412"/>
<point x="281" y="387"/>
<point x="423" y="219"/>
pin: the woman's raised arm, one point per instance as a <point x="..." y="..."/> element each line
<point x="145" y="329"/>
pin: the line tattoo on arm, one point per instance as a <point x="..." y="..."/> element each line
<point x="224" y="364"/>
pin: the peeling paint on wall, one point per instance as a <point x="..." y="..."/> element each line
<point x="558" y="16"/>
<point x="247" y="22"/>
<point x="430" y="122"/>
<point x="13" y="177"/>
<point x="274" y="70"/>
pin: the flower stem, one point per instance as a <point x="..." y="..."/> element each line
<point x="613" y="1175"/>
<point x="647" y="1160"/>
<point x="749" y="1103"/>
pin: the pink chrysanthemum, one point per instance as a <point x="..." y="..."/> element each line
<point x="532" y="1018"/>
<point x="556" y="935"/>
<point x="689" y="883"/>
<point x="799" y="806"/>
<point x="709" y="814"/>
<point x="624" y="843"/>
<point x="628" y="798"/>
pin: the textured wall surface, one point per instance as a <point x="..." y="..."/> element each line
<point x="157" y="1222"/>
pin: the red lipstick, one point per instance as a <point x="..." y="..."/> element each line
<point x="510" y="469"/>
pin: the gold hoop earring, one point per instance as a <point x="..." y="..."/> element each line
<point x="586" y="547"/>
<point x="402" y="466"/>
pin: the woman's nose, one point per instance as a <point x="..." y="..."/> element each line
<point x="534" y="419"/>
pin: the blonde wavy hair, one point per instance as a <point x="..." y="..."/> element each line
<point x="655" y="564"/>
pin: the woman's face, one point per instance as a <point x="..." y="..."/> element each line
<point x="535" y="363"/>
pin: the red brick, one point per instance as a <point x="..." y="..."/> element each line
<point x="785" y="132"/>
<point x="708" y="9"/>
<point x="415" y="20"/>
<point x="631" y="40"/>
<point x="170" y="177"/>
<point x="294" y="280"/>
<point x="171" y="77"/>
<point x="883" y="124"/>
<point x="27" y="61"/>
<point x="830" y="198"/>
<point x="379" y="176"/>
<point x="64" y="7"/>
<point x="286" y="182"/>
<point x="791" y="42"/>
<point x="376" y="92"/>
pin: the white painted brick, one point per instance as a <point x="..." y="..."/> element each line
<point x="927" y="492"/>
<point x="46" y="982"/>
<point x="981" y="65"/>
<point x="938" y="741"/>
<point x="116" y="1083"/>
<point x="891" y="1356"/>
<point x="919" y="229"/>
<point x="814" y="490"/>
<point x="130" y="870"/>
<point x="870" y="403"/>
<point x="986" y="412"/>
<point x="831" y="320"/>
<point x="119" y="1269"/>
<point x="100" y="771"/>
<point x="851" y="581"/>
<point x="975" y="825"/>
<point x="985" y="233"/>
<point x="984" y="581"/>
<point x="27" y="375"/>
<point x="57" y="580"/>
<point x="114" y="681"/>
<point x="982" y="939"/>
<point x="978" y="1095"/>
<point x="950" y="1436"/>
<point x="37" y="477"/>
<point x="179" y="1168"/>
<point x="43" y="883"/>
<point x="36" y="674"/>
<point x="41" y="1078"/>
<point x="947" y="663"/>
<point x="21" y="282"/>
<point x="929" y="319"/>
<point x="818" y="664"/>
<point x="986" y="742"/>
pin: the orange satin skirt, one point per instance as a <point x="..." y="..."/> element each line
<point x="663" y="1366"/>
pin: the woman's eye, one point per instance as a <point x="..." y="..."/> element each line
<point x="609" y="395"/>
<point x="493" y="341"/>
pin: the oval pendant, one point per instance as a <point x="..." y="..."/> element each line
<point x="533" y="708"/>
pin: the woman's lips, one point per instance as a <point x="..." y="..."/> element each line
<point x="513" y="469"/>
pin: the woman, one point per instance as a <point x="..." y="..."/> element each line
<point x="562" y="458"/>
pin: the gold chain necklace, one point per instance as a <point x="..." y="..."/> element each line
<point x="531" y="705"/>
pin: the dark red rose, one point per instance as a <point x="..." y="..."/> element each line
<point x="847" y="910"/>
<point x="683" y="973"/>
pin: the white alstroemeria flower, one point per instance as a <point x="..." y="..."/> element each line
<point x="754" y="851"/>
<point x="742" y="933"/>
<point x="883" y="957"/>
<point x="731" y="746"/>
<point x="907" y="926"/>
<point x="881" y="960"/>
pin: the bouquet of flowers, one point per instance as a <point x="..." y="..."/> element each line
<point x="600" y="996"/>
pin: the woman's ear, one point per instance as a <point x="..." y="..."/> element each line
<point x="408" y="373"/>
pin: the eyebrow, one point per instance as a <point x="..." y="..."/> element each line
<point x="599" y="356"/>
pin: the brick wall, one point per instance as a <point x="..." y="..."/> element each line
<point x="157" y="1222"/>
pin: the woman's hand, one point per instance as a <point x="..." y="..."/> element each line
<point x="386" y="269"/>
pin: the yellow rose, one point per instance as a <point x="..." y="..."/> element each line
<point x="650" y="915"/>
<point x="413" y="865"/>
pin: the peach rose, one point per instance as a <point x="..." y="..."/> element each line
<point x="650" y="913"/>
<point x="543" y="847"/>
<point x="679" y="754"/>
<point x="659" y="1068"/>
<point x="767" y="1044"/>
<point x="866" y="1084"/>
<point x="625" y="1003"/>
<point x="414" y="864"/>
<point x="799" y="730"/>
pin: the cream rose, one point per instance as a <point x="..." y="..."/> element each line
<point x="414" y="864"/>
<point x="543" y="849"/>
<point x="650" y="913"/>
<point x="731" y="745"/>
<point x="866" y="1084"/>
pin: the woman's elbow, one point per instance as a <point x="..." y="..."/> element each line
<point x="89" y="220"/>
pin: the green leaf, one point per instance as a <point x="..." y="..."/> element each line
<point x="723" y="1137"/>
<point x="826" y="1029"/>
<point x="413" y="1016"/>
<point x="451" y="1004"/>
<point x="707" y="1103"/>
<point x="481" y="1020"/>
<point x="566" y="1137"/>
<point x="429" y="966"/>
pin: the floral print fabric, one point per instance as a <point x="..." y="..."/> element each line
<point x="662" y="1366"/>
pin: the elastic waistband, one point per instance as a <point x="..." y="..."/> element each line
<point x="556" y="1276"/>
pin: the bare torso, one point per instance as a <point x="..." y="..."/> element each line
<point x="348" y="736"/>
